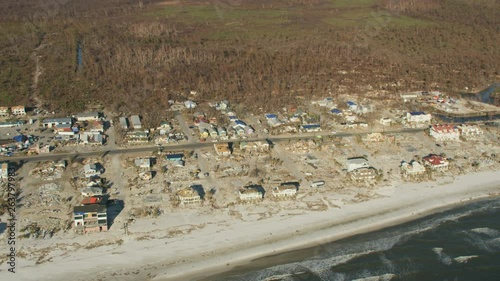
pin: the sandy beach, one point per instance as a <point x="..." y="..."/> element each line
<point x="212" y="243"/>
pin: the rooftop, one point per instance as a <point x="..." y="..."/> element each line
<point x="356" y="160"/>
<point x="445" y="128"/>
<point x="435" y="160"/>
<point x="91" y="200"/>
<point x="94" y="208"/>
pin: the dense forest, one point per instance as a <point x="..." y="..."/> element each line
<point x="137" y="55"/>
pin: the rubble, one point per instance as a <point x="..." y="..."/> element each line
<point x="49" y="170"/>
<point x="49" y="194"/>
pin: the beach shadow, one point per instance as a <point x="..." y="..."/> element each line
<point x="257" y="187"/>
<point x="114" y="208"/>
<point x="199" y="189"/>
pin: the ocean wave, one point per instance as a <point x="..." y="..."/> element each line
<point x="442" y="257"/>
<point x="326" y="262"/>
<point x="385" y="277"/>
<point x="487" y="231"/>
<point x="465" y="259"/>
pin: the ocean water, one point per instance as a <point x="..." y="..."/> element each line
<point x="457" y="244"/>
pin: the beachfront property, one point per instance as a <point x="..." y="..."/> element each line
<point x="222" y="149"/>
<point x="470" y="131"/>
<point x="91" y="200"/>
<point x="135" y="120"/>
<point x="251" y="192"/>
<point x="446" y="132"/>
<point x="285" y="190"/>
<point x="4" y="111"/>
<point x="436" y="162"/>
<point x="91" y="216"/>
<point x="356" y="163"/>
<point x="364" y="174"/>
<point x="144" y="163"/>
<point x="191" y="195"/>
<point x="18" y="110"/>
<point x="418" y="117"/>
<point x="87" y="116"/>
<point x="54" y="122"/>
<point x="412" y="169"/>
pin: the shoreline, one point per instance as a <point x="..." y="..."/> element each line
<point x="319" y="235"/>
<point x="222" y="246"/>
<point x="245" y="267"/>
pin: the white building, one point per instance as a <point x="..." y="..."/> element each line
<point x="4" y="170"/>
<point x="189" y="104"/>
<point x="90" y="170"/>
<point x="188" y="196"/>
<point x="446" y="132"/>
<point x="418" y="117"/>
<point x="412" y="168"/>
<point x="470" y="131"/>
<point x="143" y="163"/>
<point x="409" y="96"/>
<point x="436" y="162"/>
<point x="326" y="102"/>
<point x="364" y="174"/>
<point x="385" y="121"/>
<point x="4" y="111"/>
<point x="252" y="192"/>
<point x="87" y="116"/>
<point x="54" y="122"/>
<point x="136" y="122"/>
<point x="356" y="163"/>
<point x="123" y="122"/>
<point x="285" y="190"/>
<point x="18" y="110"/>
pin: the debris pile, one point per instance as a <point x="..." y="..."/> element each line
<point x="49" y="194"/>
<point x="302" y="146"/>
<point x="49" y="170"/>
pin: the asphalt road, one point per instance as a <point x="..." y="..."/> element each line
<point x="190" y="146"/>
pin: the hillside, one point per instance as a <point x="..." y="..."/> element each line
<point x="136" y="55"/>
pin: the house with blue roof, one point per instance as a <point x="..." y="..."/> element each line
<point x="174" y="157"/>
<point x="311" y="128"/>
<point x="336" y="111"/>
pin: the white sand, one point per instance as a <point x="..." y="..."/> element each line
<point x="217" y="247"/>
